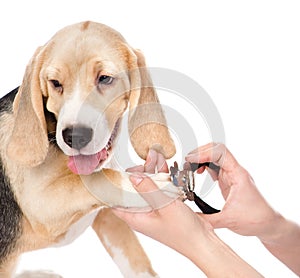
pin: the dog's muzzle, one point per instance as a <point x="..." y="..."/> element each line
<point x="77" y="137"/>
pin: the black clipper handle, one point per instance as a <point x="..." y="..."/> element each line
<point x="195" y="166"/>
<point x="205" y="208"/>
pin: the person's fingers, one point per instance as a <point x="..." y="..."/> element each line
<point x="151" y="161"/>
<point x="162" y="166"/>
<point x="149" y="191"/>
<point x="136" y="169"/>
<point x="211" y="152"/>
<point x="214" y="175"/>
<point x="154" y="162"/>
<point x="201" y="170"/>
<point x="215" y="153"/>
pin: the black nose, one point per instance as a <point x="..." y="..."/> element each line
<point x="77" y="137"/>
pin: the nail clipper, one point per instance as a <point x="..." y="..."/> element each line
<point x="186" y="181"/>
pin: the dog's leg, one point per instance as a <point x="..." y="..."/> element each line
<point x="122" y="245"/>
<point x="5" y="274"/>
<point x="8" y="267"/>
<point x="114" y="188"/>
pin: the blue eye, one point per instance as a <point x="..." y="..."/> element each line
<point x="105" y="79"/>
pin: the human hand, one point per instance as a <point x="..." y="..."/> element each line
<point x="174" y="224"/>
<point x="155" y="162"/>
<point x="245" y="212"/>
<point x="170" y="221"/>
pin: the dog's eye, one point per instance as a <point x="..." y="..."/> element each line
<point x="105" y="79"/>
<point x="56" y="84"/>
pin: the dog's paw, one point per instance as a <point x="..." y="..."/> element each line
<point x="38" y="274"/>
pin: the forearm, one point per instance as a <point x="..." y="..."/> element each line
<point x="216" y="259"/>
<point x="284" y="243"/>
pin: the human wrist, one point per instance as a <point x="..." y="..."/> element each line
<point x="275" y="229"/>
<point x="216" y="259"/>
<point x="194" y="244"/>
<point x="282" y="233"/>
<point x="202" y="250"/>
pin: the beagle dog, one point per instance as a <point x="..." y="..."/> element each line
<point x="58" y="132"/>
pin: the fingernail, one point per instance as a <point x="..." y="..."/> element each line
<point x="136" y="179"/>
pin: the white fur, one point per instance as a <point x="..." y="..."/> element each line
<point x="38" y="274"/>
<point x="78" y="228"/>
<point x="123" y="263"/>
<point x="79" y="111"/>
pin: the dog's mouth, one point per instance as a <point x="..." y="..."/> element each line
<point x="87" y="164"/>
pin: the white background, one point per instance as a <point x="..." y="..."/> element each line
<point x="245" y="54"/>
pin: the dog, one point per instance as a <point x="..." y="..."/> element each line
<point x="58" y="132"/>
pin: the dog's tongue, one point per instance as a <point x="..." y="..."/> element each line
<point x="86" y="164"/>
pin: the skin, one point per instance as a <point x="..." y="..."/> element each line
<point x="176" y="223"/>
<point x="278" y="234"/>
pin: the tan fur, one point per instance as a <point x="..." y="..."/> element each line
<point x="28" y="107"/>
<point x="103" y="226"/>
<point x="50" y="62"/>
<point x="50" y="196"/>
<point x="146" y="115"/>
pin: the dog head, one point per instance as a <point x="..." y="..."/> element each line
<point x="86" y="76"/>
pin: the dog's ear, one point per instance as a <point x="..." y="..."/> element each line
<point x="147" y="123"/>
<point x="28" y="144"/>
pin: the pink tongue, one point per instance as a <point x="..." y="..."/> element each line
<point x="86" y="164"/>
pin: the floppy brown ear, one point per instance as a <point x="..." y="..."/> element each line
<point x="28" y="144"/>
<point x="147" y="123"/>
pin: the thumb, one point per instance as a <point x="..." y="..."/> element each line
<point x="215" y="219"/>
<point x="149" y="191"/>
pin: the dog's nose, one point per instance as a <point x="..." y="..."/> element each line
<point x="77" y="137"/>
